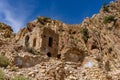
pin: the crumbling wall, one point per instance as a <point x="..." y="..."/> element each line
<point x="32" y="39"/>
<point x="49" y="43"/>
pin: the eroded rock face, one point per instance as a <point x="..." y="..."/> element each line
<point x="74" y="55"/>
<point x="88" y="51"/>
<point x="5" y="30"/>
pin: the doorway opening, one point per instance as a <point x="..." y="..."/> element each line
<point x="49" y="54"/>
<point x="50" y="43"/>
<point x="34" y="42"/>
<point x="27" y="41"/>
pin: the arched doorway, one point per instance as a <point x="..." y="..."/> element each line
<point x="34" y="42"/>
<point x="27" y="41"/>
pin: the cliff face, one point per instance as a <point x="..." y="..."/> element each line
<point x="90" y="50"/>
<point x="51" y="36"/>
<point x="5" y="31"/>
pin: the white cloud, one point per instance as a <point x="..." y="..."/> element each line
<point x="16" y="24"/>
<point x="13" y="16"/>
<point x="17" y="13"/>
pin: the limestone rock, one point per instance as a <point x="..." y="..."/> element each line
<point x="48" y="49"/>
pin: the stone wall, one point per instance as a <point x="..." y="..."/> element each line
<point x="42" y="39"/>
<point x="32" y="39"/>
<point x="49" y="43"/>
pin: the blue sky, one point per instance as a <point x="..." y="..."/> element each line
<point x="18" y="12"/>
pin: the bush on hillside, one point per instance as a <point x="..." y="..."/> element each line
<point x="85" y="33"/>
<point x="108" y="19"/>
<point x="4" y="61"/>
<point x="105" y="8"/>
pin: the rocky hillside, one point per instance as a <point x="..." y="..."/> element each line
<point x="5" y="31"/>
<point x="86" y="51"/>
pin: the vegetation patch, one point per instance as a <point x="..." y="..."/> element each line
<point x="108" y="19"/>
<point x="4" y="61"/>
<point x="85" y="33"/>
<point x="2" y="75"/>
<point x="105" y="7"/>
<point x="20" y="77"/>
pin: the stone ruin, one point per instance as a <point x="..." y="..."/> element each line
<point x="44" y="40"/>
<point x="49" y="43"/>
<point x="51" y="38"/>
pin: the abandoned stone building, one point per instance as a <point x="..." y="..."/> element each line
<point x="43" y="39"/>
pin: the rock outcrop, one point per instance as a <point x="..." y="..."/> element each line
<point x="48" y="49"/>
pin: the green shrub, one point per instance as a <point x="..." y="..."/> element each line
<point x="2" y="75"/>
<point x="4" y="62"/>
<point x="85" y="33"/>
<point x="20" y="77"/>
<point x="105" y="8"/>
<point x="108" y="19"/>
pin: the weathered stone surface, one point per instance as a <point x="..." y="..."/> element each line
<point x="73" y="54"/>
<point x="86" y="51"/>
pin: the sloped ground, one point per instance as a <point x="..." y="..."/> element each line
<point x="96" y="39"/>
